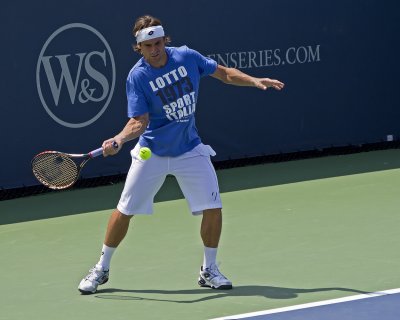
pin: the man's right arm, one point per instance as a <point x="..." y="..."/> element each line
<point x="133" y="129"/>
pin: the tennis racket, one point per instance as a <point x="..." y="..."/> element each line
<point x="60" y="170"/>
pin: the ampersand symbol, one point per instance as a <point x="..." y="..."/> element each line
<point x="85" y="92"/>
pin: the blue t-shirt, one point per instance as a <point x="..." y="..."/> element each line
<point x="169" y="94"/>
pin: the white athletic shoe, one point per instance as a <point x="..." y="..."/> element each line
<point x="97" y="276"/>
<point x="213" y="278"/>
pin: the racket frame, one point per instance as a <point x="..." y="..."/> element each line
<point x="85" y="158"/>
<point x="79" y="165"/>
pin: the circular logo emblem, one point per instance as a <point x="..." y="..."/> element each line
<point x="150" y="33"/>
<point x="75" y="75"/>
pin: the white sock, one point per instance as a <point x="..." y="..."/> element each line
<point x="210" y="256"/>
<point x="105" y="258"/>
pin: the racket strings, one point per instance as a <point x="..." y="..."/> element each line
<point x="55" y="170"/>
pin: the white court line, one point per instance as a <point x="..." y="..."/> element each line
<point x="311" y="305"/>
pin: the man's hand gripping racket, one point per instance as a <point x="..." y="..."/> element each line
<point x="59" y="170"/>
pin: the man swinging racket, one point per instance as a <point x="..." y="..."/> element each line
<point x="162" y="91"/>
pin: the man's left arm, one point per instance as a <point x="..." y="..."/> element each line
<point x="239" y="78"/>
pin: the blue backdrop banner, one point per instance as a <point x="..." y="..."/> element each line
<point x="64" y="66"/>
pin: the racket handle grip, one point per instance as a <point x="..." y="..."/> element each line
<point x="99" y="151"/>
<point x="96" y="153"/>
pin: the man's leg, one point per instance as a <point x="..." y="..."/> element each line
<point x="117" y="228"/>
<point x="198" y="181"/>
<point x="211" y="227"/>
<point x="118" y="225"/>
<point x="143" y="181"/>
<point x="210" y="231"/>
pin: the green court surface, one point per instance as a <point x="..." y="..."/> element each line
<point x="294" y="232"/>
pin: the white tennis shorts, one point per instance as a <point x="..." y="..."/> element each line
<point x="193" y="170"/>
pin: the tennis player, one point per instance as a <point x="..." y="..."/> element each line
<point x="162" y="91"/>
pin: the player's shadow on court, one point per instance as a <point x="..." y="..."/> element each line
<point x="190" y="295"/>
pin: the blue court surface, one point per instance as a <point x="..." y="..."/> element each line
<point x="383" y="305"/>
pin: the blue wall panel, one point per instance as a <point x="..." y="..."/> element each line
<point x="337" y="58"/>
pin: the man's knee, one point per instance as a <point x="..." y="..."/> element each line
<point x="212" y="211"/>
<point x="121" y="216"/>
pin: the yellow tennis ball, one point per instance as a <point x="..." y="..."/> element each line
<point x="145" y="153"/>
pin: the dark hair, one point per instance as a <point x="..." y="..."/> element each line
<point x="144" y="22"/>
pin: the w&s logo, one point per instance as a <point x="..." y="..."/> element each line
<point x="75" y="75"/>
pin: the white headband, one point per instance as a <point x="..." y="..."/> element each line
<point x="149" y="33"/>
